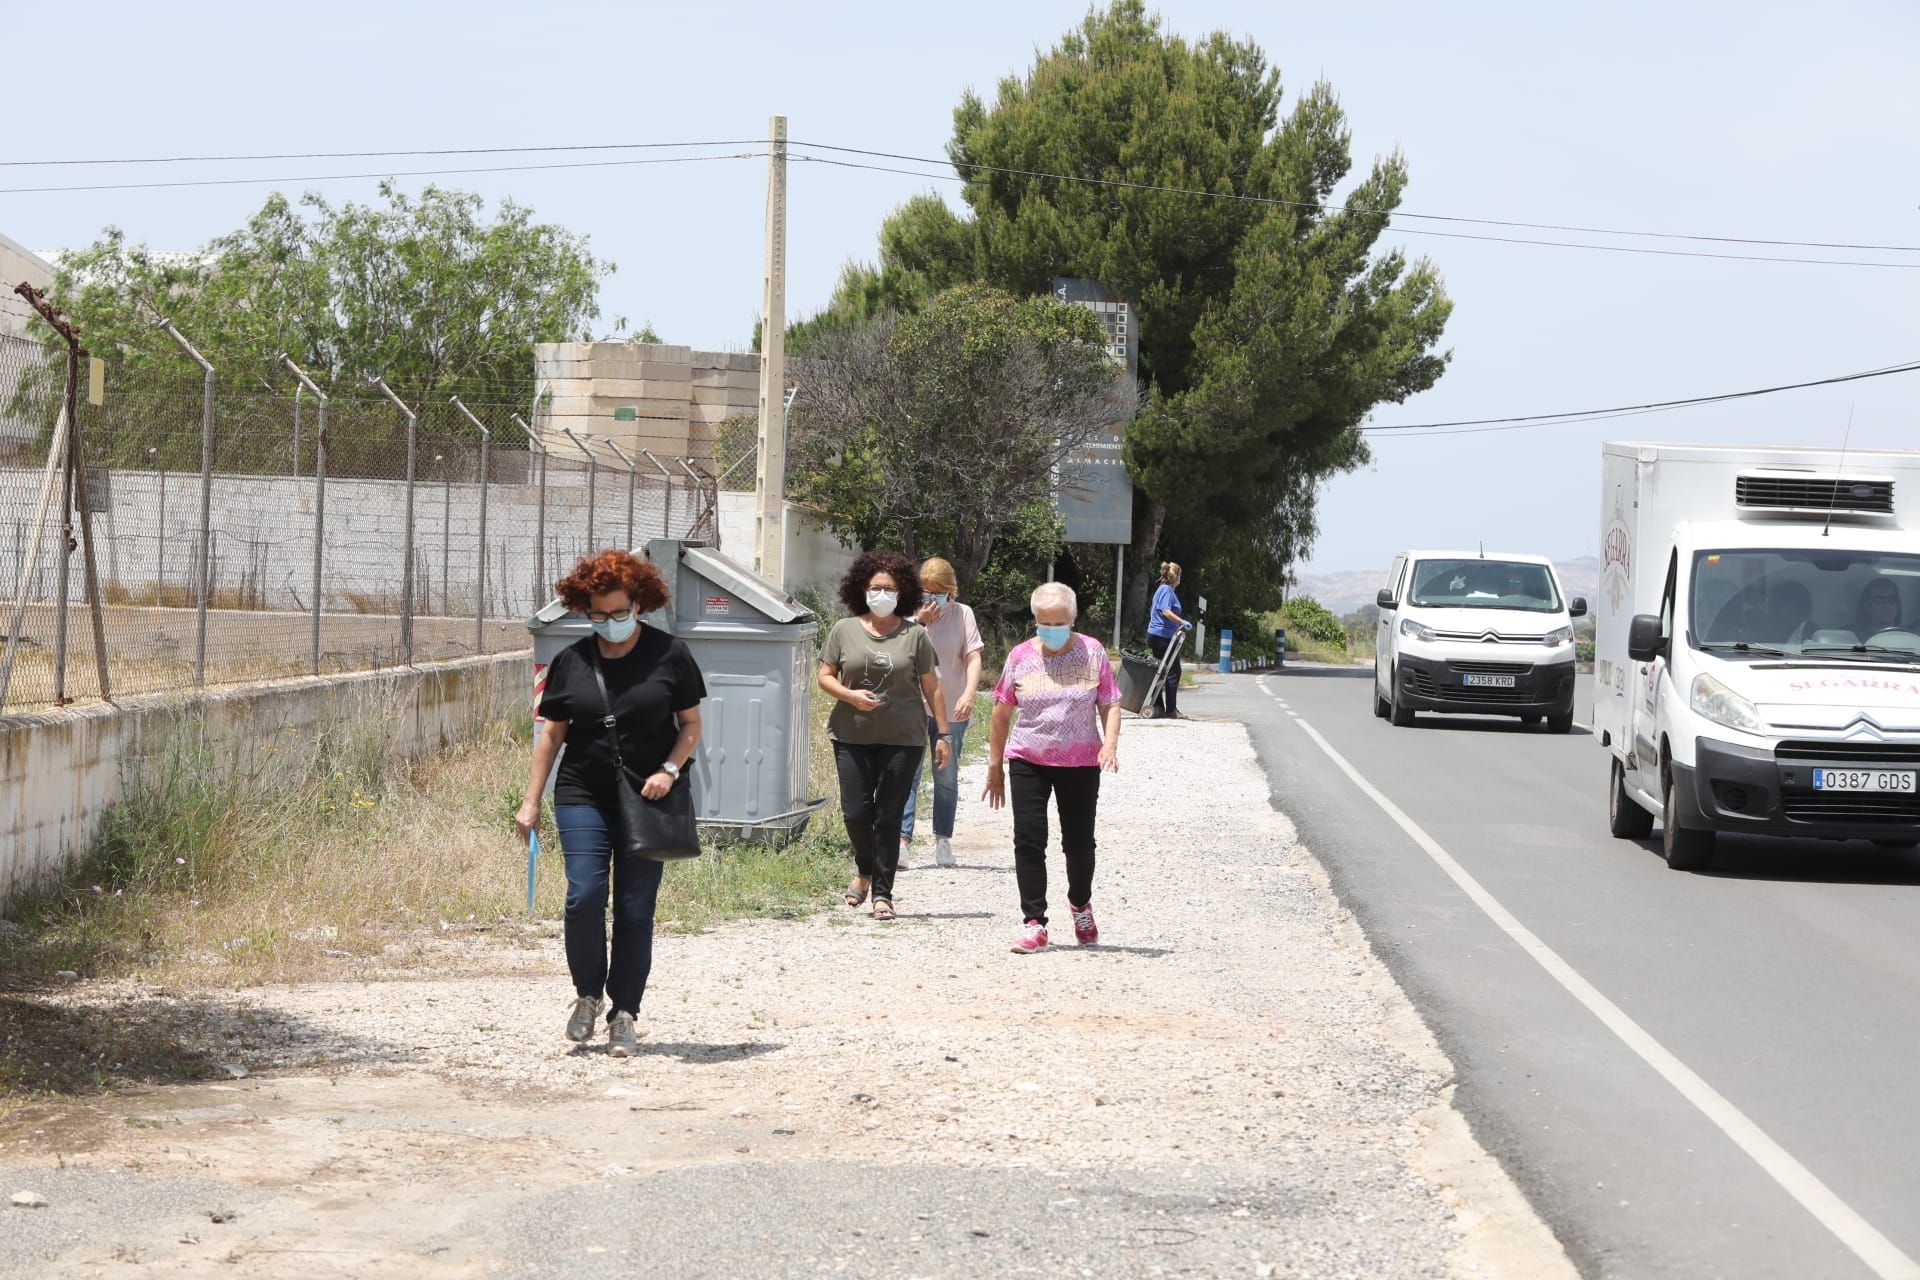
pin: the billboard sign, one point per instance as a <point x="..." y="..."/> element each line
<point x="1094" y="493"/>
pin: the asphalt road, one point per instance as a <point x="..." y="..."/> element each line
<point x="1782" y="1135"/>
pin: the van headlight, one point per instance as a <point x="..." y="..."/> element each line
<point x="1418" y="630"/>
<point x="1557" y="637"/>
<point x="1722" y="705"/>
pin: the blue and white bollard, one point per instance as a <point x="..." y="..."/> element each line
<point x="1226" y="652"/>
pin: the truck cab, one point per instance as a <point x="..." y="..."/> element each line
<point x="1758" y="646"/>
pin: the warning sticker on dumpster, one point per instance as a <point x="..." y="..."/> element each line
<point x="719" y="604"/>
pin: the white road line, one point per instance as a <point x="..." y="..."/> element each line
<point x="1880" y="1254"/>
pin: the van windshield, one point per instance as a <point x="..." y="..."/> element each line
<point x="1484" y="584"/>
<point x="1837" y="603"/>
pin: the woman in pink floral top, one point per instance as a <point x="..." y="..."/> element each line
<point x="1062" y="685"/>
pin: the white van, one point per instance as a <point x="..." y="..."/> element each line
<point x="1478" y="634"/>
<point x="1757" y="656"/>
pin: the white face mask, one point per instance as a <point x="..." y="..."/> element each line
<point x="881" y="604"/>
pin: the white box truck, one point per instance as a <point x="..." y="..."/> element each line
<point x="1757" y="647"/>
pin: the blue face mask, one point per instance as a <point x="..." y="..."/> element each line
<point x="615" y="632"/>
<point x="1054" y="637"/>
<point x="938" y="598"/>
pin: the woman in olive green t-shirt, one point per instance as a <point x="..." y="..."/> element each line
<point x="878" y="665"/>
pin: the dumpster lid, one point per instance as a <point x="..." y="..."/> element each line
<point x="776" y="605"/>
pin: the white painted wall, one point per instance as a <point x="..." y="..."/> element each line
<point x="815" y="557"/>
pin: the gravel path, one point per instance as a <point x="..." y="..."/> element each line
<point x="1230" y="1085"/>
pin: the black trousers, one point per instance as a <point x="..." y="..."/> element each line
<point x="875" y="781"/>
<point x="1169" y="692"/>
<point x="1076" y="791"/>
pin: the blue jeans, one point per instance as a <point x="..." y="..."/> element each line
<point x="946" y="782"/>
<point x="586" y="839"/>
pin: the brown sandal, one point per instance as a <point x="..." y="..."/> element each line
<point x="882" y="909"/>
<point x="856" y="897"/>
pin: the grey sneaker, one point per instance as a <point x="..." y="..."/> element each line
<point x="586" y="1015"/>
<point x="623" y="1041"/>
<point x="943" y="852"/>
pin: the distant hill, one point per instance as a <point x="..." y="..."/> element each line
<point x="1345" y="592"/>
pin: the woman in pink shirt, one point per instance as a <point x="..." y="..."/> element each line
<point x="1062" y="685"/>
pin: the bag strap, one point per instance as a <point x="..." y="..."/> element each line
<point x="609" y="722"/>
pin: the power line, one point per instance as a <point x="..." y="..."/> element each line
<point x="380" y="155"/>
<point x="1472" y="426"/>
<point x="414" y="173"/>
<point x="1572" y="228"/>
<point x="1343" y="208"/>
<point x="1404" y="231"/>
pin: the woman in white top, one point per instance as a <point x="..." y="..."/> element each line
<point x="956" y="642"/>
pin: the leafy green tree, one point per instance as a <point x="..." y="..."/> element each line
<point x="1305" y="616"/>
<point x="935" y="430"/>
<point x="1268" y="326"/>
<point x="427" y="292"/>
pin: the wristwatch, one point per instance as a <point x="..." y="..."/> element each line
<point x="670" y="768"/>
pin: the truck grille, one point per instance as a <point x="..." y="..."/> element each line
<point x="1905" y="753"/>
<point x="1493" y="668"/>
<point x="1864" y="807"/>
<point x="1791" y="492"/>
<point x="1427" y="687"/>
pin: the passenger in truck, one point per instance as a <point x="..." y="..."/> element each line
<point x="1880" y="608"/>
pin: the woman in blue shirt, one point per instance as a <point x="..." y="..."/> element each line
<point x="1166" y="627"/>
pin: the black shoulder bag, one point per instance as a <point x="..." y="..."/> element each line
<point x="660" y="830"/>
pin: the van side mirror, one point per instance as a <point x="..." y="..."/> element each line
<point x="1577" y="608"/>
<point x="1385" y="599"/>
<point x="1644" y="641"/>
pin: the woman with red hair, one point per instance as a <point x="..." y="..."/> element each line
<point x="654" y="688"/>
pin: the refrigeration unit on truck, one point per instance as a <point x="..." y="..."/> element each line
<point x="1757" y="648"/>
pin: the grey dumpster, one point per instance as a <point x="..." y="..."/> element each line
<point x="755" y="647"/>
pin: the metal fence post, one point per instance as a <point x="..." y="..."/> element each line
<point x="406" y="573"/>
<point x="480" y="571"/>
<point x="206" y="503"/>
<point x="593" y="483"/>
<point x="633" y="480"/>
<point x="446" y="536"/>
<point x="160" y="570"/>
<point x="319" y="501"/>
<point x="540" y="513"/>
<point x="666" y="518"/>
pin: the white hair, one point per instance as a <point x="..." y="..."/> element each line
<point x="1050" y="595"/>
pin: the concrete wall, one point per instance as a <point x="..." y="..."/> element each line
<point x="679" y="396"/>
<point x="263" y="536"/>
<point x="815" y="557"/>
<point x="61" y="770"/>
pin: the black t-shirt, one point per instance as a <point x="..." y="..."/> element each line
<point x="656" y="678"/>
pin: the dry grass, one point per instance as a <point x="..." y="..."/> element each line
<point x="283" y="870"/>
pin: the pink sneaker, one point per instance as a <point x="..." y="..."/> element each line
<point x="1085" y="931"/>
<point x="1032" y="938"/>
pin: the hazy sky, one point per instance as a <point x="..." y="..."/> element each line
<point x="1786" y="121"/>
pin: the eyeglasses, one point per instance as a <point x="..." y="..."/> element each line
<point x="1881" y="597"/>
<point x="616" y="615"/>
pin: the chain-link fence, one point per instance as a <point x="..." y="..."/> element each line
<point x="282" y="533"/>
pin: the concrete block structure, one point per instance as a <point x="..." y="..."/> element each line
<point x="678" y="396"/>
<point x="17" y="265"/>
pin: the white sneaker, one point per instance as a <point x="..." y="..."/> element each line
<point x="943" y="852"/>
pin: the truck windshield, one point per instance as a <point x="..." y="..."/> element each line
<point x="1485" y="584"/>
<point x="1841" y="603"/>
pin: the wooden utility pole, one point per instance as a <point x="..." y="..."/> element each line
<point x="770" y="491"/>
